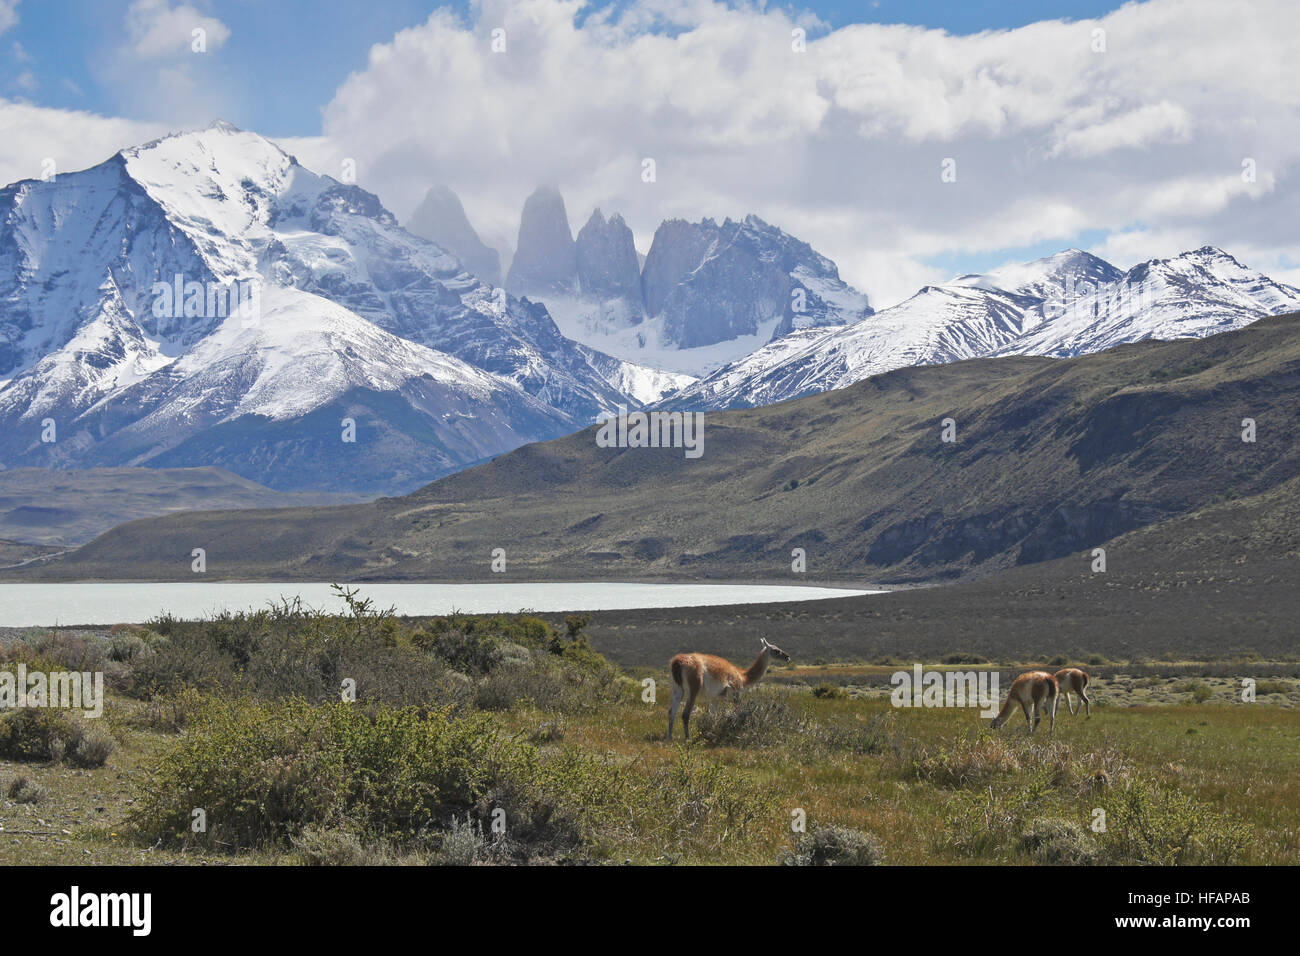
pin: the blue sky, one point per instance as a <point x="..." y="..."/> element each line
<point x="292" y="55"/>
<point x="1122" y="151"/>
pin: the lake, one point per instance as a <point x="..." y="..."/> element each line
<point x="41" y="605"/>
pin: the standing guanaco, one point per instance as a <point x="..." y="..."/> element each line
<point x="1071" y="680"/>
<point x="1035" y="692"/>
<point x="716" y="676"/>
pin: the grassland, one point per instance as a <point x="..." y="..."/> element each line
<point x="458" y="718"/>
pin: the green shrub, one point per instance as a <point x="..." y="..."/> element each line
<point x="43" y="734"/>
<point x="1146" y="823"/>
<point x="264" y="772"/>
<point x="169" y="713"/>
<point x="832" y="845"/>
<point x="988" y="822"/>
<point x="471" y="651"/>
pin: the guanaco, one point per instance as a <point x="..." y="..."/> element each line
<point x="716" y="676"/>
<point x="1035" y="692"/>
<point x="1071" y="680"/>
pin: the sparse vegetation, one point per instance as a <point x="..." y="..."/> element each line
<point x="471" y="740"/>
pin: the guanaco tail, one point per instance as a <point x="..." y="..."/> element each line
<point x="1035" y="692"/>
<point x="1071" y="680"/>
<point x="716" y="676"/>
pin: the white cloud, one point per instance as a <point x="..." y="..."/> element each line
<point x="158" y="30"/>
<point x="8" y="14"/>
<point x="31" y="135"/>
<point x="1158" y="123"/>
<point x="842" y="144"/>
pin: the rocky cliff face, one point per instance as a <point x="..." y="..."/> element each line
<point x="545" y="261"/>
<point x="714" y="283"/>
<point x="607" y="264"/>
<point x="677" y="250"/>
<point x="441" y="218"/>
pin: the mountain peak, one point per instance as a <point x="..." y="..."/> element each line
<point x="441" y="219"/>
<point x="545" y="260"/>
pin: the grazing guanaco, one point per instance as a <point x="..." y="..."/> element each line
<point x="716" y="676"/>
<point x="1035" y="692"/>
<point x="1071" y="680"/>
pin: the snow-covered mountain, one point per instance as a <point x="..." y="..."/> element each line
<point x="1067" y="304"/>
<point x="205" y="299"/>
<point x="1192" y="295"/>
<point x="707" y="294"/>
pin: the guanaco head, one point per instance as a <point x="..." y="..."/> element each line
<point x="775" y="651"/>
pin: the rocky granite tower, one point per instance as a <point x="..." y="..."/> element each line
<point x="441" y="218"/>
<point x="545" y="261"/>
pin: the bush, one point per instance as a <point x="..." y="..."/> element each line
<point x="40" y="734"/>
<point x="832" y="845"/>
<point x="1272" y="687"/>
<point x="827" y="691"/>
<point x="169" y="713"/>
<point x="265" y="772"/>
<point x="757" y="718"/>
<point x="94" y="747"/>
<point x="1146" y="823"/>
<point x="965" y="762"/>
<point x="1050" y="840"/>
<point x="594" y="803"/>
<point x="988" y="822"/>
<point x="329" y="848"/>
<point x="72" y="651"/>
<point x="463" y="844"/>
<point x="22" y="789"/>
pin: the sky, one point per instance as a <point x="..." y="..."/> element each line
<point x="908" y="141"/>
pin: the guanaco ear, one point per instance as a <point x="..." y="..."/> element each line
<point x="764" y="640"/>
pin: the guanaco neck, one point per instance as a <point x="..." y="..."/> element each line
<point x="758" y="668"/>
<point x="1009" y="706"/>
